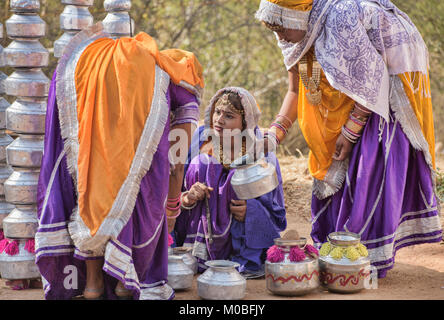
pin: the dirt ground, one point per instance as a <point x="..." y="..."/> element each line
<point x="418" y="273"/>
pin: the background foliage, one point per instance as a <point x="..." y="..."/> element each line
<point x="236" y="50"/>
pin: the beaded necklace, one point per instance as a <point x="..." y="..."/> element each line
<point x="311" y="84"/>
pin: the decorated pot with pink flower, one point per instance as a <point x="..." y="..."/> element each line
<point x="291" y="268"/>
<point x="17" y="259"/>
<point x="344" y="263"/>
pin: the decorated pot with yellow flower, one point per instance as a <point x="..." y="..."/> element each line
<point x="343" y="262"/>
<point x="291" y="268"/>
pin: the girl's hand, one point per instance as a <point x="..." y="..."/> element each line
<point x="238" y="209"/>
<point x="343" y="148"/>
<point x="197" y="192"/>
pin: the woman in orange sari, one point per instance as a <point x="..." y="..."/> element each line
<point x="105" y="190"/>
<point x="360" y="90"/>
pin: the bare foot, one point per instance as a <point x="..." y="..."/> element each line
<point x="94" y="287"/>
<point x="122" y="292"/>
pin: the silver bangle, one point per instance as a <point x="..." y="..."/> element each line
<point x="181" y="201"/>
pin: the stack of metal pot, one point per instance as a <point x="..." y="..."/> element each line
<point x="344" y="263"/>
<point x="118" y="22"/>
<point x="26" y="118"/>
<point x="5" y="140"/>
<point x="288" y="277"/>
<point x="75" y="17"/>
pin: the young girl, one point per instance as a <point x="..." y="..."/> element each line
<point x="239" y="230"/>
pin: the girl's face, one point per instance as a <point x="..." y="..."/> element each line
<point x="224" y="118"/>
<point x="291" y="35"/>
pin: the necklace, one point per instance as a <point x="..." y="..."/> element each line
<point x="221" y="154"/>
<point x="311" y="84"/>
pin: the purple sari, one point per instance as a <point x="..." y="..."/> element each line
<point x="243" y="242"/>
<point x="138" y="257"/>
<point x="388" y="197"/>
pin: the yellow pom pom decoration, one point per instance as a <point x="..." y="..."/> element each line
<point x="362" y="250"/>
<point x="351" y="253"/>
<point x="337" y="253"/>
<point x="325" y="249"/>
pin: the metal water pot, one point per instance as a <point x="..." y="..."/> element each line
<point x="341" y="274"/>
<point x="27" y="83"/>
<point x="118" y="24"/>
<point x="221" y="281"/>
<point x="5" y="172"/>
<point x="26" y="151"/>
<point x="253" y="179"/>
<point x="117" y="5"/>
<point x="27" y="116"/>
<point x="25" y="6"/>
<point x="25" y="26"/>
<point x="62" y="42"/>
<point x="5" y="210"/>
<point x="188" y="258"/>
<point x="288" y="278"/>
<point x="26" y="54"/>
<point x="21" y="186"/>
<point x="19" y="266"/>
<point x="75" y="18"/>
<point x="180" y="276"/>
<point x="5" y="141"/>
<point x="21" y="223"/>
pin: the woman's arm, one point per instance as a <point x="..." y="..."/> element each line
<point x="287" y="114"/>
<point x="351" y="132"/>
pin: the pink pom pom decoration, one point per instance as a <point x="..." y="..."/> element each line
<point x="275" y="254"/>
<point x="170" y="240"/>
<point x="30" y="246"/>
<point x="12" y="248"/>
<point x="296" y="254"/>
<point x="3" y="244"/>
<point x="309" y="249"/>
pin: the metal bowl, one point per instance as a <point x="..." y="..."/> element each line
<point x="221" y="281"/>
<point x="19" y="266"/>
<point x="180" y="276"/>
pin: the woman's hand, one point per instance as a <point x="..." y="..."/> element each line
<point x="343" y="148"/>
<point x="238" y="209"/>
<point x="197" y="192"/>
